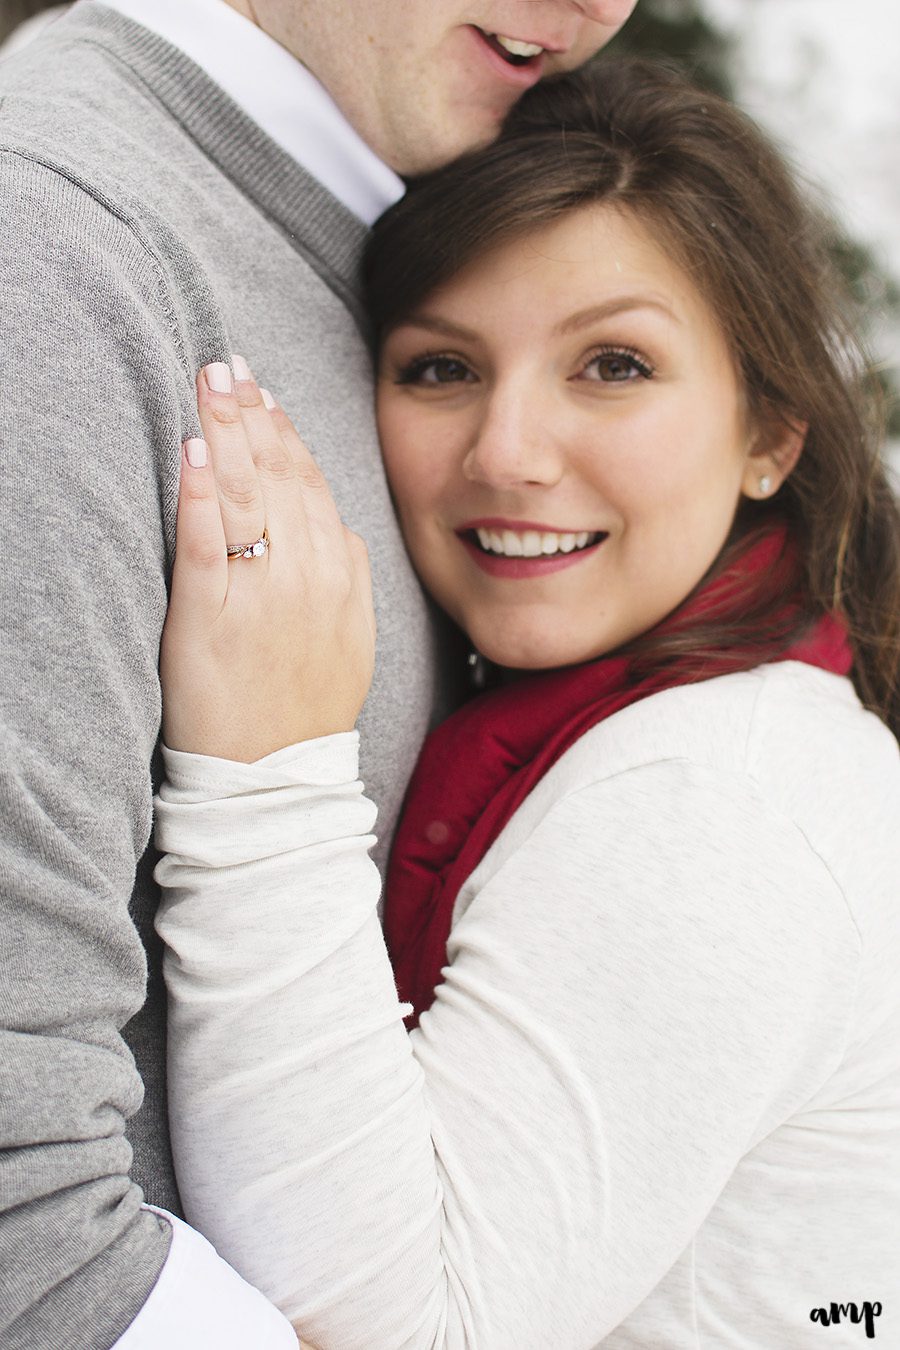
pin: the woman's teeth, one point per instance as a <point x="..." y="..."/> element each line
<point x="532" y="543"/>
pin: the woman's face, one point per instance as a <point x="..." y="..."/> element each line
<point x="566" y="439"/>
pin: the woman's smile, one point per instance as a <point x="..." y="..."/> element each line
<point x="565" y="433"/>
<point x="522" y="549"/>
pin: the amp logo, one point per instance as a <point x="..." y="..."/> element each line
<point x="833" y="1315"/>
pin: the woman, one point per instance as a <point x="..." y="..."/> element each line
<point x="654" y="1096"/>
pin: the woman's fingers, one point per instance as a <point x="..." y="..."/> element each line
<point x="262" y="653"/>
<point x="200" y="572"/>
<point x="243" y="507"/>
<point x="277" y="468"/>
<point x="293" y="442"/>
<point x="199" y="581"/>
<point x="265" y="475"/>
<point x="290" y="494"/>
<point x="321" y="516"/>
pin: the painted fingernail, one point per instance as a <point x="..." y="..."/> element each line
<point x="218" y="377"/>
<point x="268" y="400"/>
<point x="241" y="370"/>
<point x="195" y="452"/>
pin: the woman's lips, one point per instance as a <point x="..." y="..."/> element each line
<point x="518" y="569"/>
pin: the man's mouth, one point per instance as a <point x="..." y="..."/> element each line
<point x="513" y="51"/>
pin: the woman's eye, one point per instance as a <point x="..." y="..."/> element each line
<point x="435" y="370"/>
<point x="616" y="366"/>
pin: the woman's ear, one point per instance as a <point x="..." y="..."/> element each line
<point x="776" y="447"/>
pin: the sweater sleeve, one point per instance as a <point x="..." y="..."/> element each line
<point x="89" y="415"/>
<point x="661" y="972"/>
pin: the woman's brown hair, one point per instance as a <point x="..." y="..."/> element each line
<point x="14" y="12"/>
<point x="718" y="196"/>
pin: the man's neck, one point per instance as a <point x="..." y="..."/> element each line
<point x="277" y="91"/>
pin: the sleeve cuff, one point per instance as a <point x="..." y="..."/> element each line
<point x="200" y="1300"/>
<point x="215" y="813"/>
<point x="328" y="761"/>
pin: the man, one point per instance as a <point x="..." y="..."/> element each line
<point x="183" y="179"/>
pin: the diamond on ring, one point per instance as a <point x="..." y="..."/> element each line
<point x="257" y="549"/>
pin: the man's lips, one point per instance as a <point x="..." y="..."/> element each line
<point x="517" y="76"/>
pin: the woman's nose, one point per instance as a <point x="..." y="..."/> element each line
<point x="512" y="445"/>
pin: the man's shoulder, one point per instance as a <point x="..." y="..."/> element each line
<point x="67" y="90"/>
<point x="83" y="104"/>
<point x="93" y="170"/>
<point x="78" y="115"/>
<point x="83" y="230"/>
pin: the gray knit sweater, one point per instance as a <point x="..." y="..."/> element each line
<point x="148" y="227"/>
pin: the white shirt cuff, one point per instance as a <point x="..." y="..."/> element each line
<point x="200" y="1300"/>
<point x="328" y="761"/>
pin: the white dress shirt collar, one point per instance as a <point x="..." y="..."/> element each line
<point x="280" y="94"/>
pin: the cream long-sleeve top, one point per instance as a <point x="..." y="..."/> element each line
<point x="656" y="1103"/>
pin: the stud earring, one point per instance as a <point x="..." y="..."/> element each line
<point x="765" y="485"/>
<point x="478" y="671"/>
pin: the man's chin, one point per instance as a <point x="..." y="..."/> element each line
<point x="425" y="158"/>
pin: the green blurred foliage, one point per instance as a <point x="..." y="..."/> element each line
<point x="680" y="31"/>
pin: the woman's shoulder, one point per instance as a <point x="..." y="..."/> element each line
<point x="785" y="750"/>
<point x="759" y="723"/>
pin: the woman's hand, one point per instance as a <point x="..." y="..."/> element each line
<point x="260" y="652"/>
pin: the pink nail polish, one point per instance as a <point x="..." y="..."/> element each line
<point x="267" y="399"/>
<point x="241" y="370"/>
<point x="218" y="377"/>
<point x="195" y="452"/>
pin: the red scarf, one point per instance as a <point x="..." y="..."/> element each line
<point x="478" y="767"/>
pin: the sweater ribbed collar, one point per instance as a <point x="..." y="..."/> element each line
<point x="278" y="92"/>
<point x="315" y="221"/>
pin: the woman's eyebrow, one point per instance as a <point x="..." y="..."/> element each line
<point x="609" y="308"/>
<point x="433" y="324"/>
